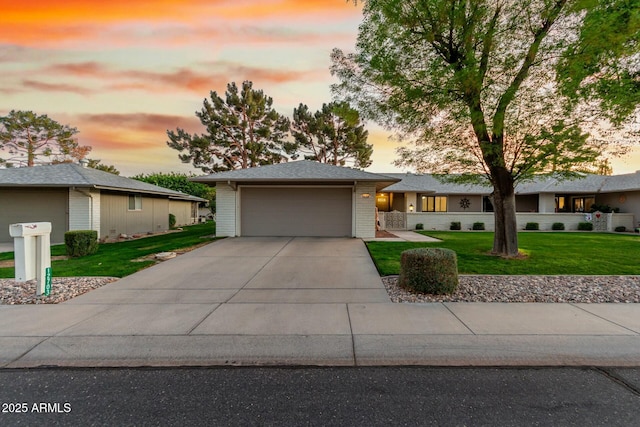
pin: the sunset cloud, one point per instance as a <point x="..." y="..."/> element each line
<point x="54" y="87"/>
<point x="65" y="11"/>
<point x="117" y="22"/>
<point x="141" y="122"/>
<point x="181" y="79"/>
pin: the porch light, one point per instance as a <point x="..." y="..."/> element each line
<point x="411" y="207"/>
<point x="365" y="195"/>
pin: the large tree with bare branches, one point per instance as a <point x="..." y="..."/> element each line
<point x="504" y="88"/>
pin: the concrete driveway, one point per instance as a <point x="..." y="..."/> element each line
<point x="255" y="270"/>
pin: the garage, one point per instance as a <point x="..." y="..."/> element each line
<point x="288" y="211"/>
<point x="43" y="205"/>
<point x="301" y="198"/>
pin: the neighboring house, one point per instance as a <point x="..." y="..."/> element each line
<point x="302" y="198"/>
<point x="436" y="204"/>
<point x="73" y="197"/>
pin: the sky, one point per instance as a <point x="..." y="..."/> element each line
<point x="123" y="72"/>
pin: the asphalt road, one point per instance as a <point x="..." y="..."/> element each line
<point x="321" y="396"/>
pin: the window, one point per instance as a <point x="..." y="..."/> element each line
<point x="135" y="202"/>
<point x="583" y="204"/>
<point x="561" y="204"/>
<point x="434" y="203"/>
<point x="487" y="206"/>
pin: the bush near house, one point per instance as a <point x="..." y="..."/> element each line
<point x="79" y="243"/>
<point x="557" y="226"/>
<point x="172" y="220"/>
<point x="478" y="226"/>
<point x="455" y="225"/>
<point x="603" y="208"/>
<point x="532" y="226"/>
<point x="585" y="226"/>
<point x="620" y="229"/>
<point x="419" y="226"/>
<point x="429" y="270"/>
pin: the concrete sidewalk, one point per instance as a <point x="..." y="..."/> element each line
<point x="284" y="301"/>
<point x="404" y="236"/>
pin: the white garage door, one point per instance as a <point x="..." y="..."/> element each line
<point x="296" y="212"/>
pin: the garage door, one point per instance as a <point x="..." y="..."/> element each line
<point x="296" y="212"/>
<point x="34" y="205"/>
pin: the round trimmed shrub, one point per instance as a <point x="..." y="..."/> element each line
<point x="585" y="226"/>
<point x="455" y="225"/>
<point x="532" y="226"/>
<point x="80" y="243"/>
<point x="419" y="226"/>
<point x="620" y="229"/>
<point x="429" y="270"/>
<point x="478" y="226"/>
<point x="557" y="226"/>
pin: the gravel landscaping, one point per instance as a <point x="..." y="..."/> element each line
<point x="62" y="289"/>
<point x="577" y="289"/>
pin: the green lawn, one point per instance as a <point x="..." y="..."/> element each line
<point x="548" y="253"/>
<point x="116" y="259"/>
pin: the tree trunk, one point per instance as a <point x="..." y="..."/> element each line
<point x="505" y="238"/>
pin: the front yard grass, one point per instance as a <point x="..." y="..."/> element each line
<point x="554" y="253"/>
<point x="117" y="259"/>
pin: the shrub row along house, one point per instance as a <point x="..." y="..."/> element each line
<point x="73" y="197"/>
<point x="305" y="198"/>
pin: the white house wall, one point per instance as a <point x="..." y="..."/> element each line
<point x="365" y="210"/>
<point x="225" y="211"/>
<point x="454" y="203"/>
<point x="547" y="202"/>
<point x="84" y="209"/>
<point x="182" y="210"/>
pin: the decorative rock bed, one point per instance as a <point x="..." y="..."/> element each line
<point x="62" y="289"/>
<point x="576" y="289"/>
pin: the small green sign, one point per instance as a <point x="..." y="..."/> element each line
<point x="47" y="281"/>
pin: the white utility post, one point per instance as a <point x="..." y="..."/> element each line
<point x="32" y="253"/>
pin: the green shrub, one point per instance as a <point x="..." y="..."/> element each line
<point x="557" y="226"/>
<point x="172" y="220"/>
<point x="532" y="226"/>
<point x="478" y="226"/>
<point x="603" y="208"/>
<point x="429" y="270"/>
<point x="419" y="226"/>
<point x="455" y="225"/>
<point x="620" y="229"/>
<point x="585" y="226"/>
<point x="79" y="243"/>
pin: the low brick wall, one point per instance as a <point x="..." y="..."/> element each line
<point x="442" y="221"/>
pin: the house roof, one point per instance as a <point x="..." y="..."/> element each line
<point x="425" y="183"/>
<point x="73" y="175"/>
<point x="625" y="182"/>
<point x="298" y="171"/>
<point x="587" y="184"/>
